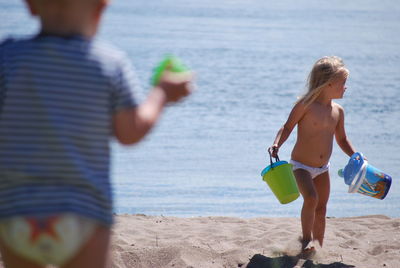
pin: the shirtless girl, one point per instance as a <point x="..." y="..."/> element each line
<point x="318" y="120"/>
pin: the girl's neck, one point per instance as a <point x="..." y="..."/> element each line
<point x="324" y="99"/>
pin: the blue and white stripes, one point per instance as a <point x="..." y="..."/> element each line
<point x="57" y="99"/>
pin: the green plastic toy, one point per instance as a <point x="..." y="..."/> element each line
<point x="169" y="63"/>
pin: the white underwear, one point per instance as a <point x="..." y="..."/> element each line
<point x="314" y="172"/>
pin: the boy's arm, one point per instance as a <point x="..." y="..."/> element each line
<point x="295" y="115"/>
<point x="131" y="125"/>
<point x="341" y="137"/>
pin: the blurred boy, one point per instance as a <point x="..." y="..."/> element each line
<point x="62" y="95"/>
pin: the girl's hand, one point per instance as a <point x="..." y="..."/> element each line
<point x="273" y="150"/>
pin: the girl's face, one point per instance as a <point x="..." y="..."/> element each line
<point x="338" y="87"/>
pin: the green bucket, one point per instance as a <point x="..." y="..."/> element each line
<point x="280" y="179"/>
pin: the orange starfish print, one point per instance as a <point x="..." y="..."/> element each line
<point x="42" y="226"/>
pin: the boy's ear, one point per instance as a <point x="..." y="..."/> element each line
<point x="100" y="8"/>
<point x="32" y="7"/>
<point x="104" y="4"/>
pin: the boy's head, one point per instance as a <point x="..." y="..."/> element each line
<point x="66" y="17"/>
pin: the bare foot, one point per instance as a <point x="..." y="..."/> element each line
<point x="307" y="250"/>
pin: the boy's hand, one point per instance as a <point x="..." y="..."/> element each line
<point x="176" y="85"/>
<point x="273" y="150"/>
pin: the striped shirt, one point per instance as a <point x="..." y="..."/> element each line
<point x="57" y="99"/>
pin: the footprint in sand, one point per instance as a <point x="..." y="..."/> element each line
<point x="377" y="250"/>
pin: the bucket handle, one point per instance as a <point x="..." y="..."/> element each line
<point x="270" y="157"/>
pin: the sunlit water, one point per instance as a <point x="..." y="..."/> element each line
<point x="251" y="58"/>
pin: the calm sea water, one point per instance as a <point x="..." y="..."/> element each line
<point x="251" y="58"/>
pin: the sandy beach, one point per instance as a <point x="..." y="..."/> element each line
<point x="157" y="241"/>
<point x="140" y="241"/>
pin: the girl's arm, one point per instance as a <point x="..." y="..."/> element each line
<point x="295" y="115"/>
<point x="340" y="135"/>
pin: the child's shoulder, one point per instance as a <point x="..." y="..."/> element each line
<point x="337" y="106"/>
<point x="75" y="42"/>
<point x="334" y="105"/>
<point x="8" y="41"/>
<point x="338" y="109"/>
<point x="76" y="47"/>
<point x="16" y="40"/>
<point x="11" y="45"/>
<point x="111" y="57"/>
<point x="108" y="49"/>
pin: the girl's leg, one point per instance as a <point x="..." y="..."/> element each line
<point x="310" y="196"/>
<point x="322" y="185"/>
<point x="95" y="253"/>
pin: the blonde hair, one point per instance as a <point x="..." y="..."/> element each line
<point x="324" y="71"/>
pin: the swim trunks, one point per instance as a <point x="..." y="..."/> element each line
<point x="51" y="240"/>
<point x="314" y="172"/>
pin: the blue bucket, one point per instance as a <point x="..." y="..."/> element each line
<point x="364" y="178"/>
